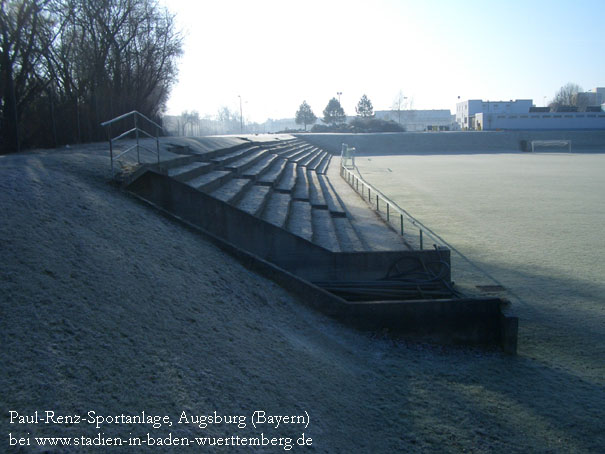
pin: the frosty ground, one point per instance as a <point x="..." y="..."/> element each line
<point x="108" y="306"/>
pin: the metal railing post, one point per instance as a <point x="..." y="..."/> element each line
<point x="377" y="205"/>
<point x="421" y="239"/>
<point x="136" y="131"/>
<point x="388" y="212"/>
<point x="401" y="219"/>
<point x="110" y="148"/>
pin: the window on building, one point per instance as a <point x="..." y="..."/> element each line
<point x="556" y="116"/>
<point x="591" y="116"/>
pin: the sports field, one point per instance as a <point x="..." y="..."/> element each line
<point x="532" y="223"/>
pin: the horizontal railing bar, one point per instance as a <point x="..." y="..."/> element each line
<point x="125" y="151"/>
<point x="134" y="112"/>
<point x="113" y="120"/>
<point x="124" y="134"/>
<point x="146" y="133"/>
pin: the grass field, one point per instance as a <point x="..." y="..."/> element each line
<point x="534" y="222"/>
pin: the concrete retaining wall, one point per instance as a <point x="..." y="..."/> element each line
<point x="452" y="142"/>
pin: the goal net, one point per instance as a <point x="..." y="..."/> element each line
<point x="551" y="144"/>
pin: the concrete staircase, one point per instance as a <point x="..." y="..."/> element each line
<point x="284" y="184"/>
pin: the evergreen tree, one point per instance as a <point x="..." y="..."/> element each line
<point x="304" y="115"/>
<point x="364" y="107"/>
<point x="334" y="113"/>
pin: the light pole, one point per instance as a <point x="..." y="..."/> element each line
<point x="241" y="115"/>
<point x="339" y="93"/>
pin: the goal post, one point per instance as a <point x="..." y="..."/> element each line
<point x="551" y="144"/>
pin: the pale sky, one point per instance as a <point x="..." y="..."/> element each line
<point x="278" y="53"/>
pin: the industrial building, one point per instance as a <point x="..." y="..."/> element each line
<point x="521" y="114"/>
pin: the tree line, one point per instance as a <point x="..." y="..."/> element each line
<point x="68" y="65"/>
<point x="335" y="118"/>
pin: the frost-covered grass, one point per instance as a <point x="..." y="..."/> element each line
<point x="105" y="305"/>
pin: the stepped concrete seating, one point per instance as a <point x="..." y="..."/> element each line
<point x="288" y="178"/>
<point x="245" y="162"/>
<point x="310" y="157"/>
<point x="298" y="150"/>
<point x="299" y="219"/>
<point x="316" y="194"/>
<point x="301" y="188"/>
<point x="190" y="171"/>
<point x="233" y="190"/>
<point x="233" y="156"/>
<point x="324" y="231"/>
<point x="281" y="183"/>
<point x="334" y="206"/>
<point x="261" y="166"/>
<point x="277" y="208"/>
<point x="300" y="157"/>
<point x="272" y="175"/>
<point x="322" y="167"/>
<point x="316" y="161"/>
<point x="255" y="199"/>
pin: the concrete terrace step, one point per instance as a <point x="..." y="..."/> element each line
<point x="322" y="168"/>
<point x="255" y="199"/>
<point x="190" y="171"/>
<point x="233" y="190"/>
<point x="316" y="195"/>
<point x="273" y="174"/>
<point x="324" y="233"/>
<point x="297" y="151"/>
<point x="316" y="162"/>
<point x="299" y="220"/>
<point x="334" y="206"/>
<point x="277" y="209"/>
<point x="246" y="161"/>
<point x="301" y="188"/>
<point x="211" y="180"/>
<point x="260" y="167"/>
<point x="301" y="157"/>
<point x="233" y="156"/>
<point x="287" y="179"/>
<point x="310" y="157"/>
<point x="347" y="237"/>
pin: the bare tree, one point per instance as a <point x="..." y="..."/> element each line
<point x="22" y="41"/>
<point x="399" y="104"/>
<point x="79" y="62"/>
<point x="566" y="96"/>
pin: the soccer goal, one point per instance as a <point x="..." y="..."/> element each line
<point x="551" y="144"/>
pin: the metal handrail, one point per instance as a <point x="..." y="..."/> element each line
<point x="374" y="194"/>
<point x="136" y="130"/>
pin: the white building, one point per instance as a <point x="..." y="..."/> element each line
<point x="540" y="120"/>
<point x="594" y="97"/>
<point x="467" y="110"/>
<point x="419" y="120"/>
<point x="518" y="115"/>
